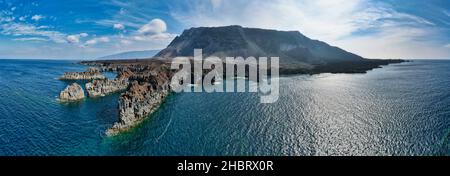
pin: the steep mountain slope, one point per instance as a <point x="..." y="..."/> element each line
<point x="293" y="48"/>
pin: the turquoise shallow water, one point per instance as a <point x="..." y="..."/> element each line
<point x="401" y="109"/>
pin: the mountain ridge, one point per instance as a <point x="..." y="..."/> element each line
<point x="291" y="46"/>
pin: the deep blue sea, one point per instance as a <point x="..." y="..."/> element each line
<point x="401" y="109"/>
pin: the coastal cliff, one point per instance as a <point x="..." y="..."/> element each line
<point x="146" y="84"/>
<point x="136" y="104"/>
<point x="147" y="91"/>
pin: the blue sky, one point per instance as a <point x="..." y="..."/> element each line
<point x="84" y="29"/>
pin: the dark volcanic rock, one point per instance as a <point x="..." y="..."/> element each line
<point x="125" y="74"/>
<point x="91" y="73"/>
<point x="147" y="91"/>
<point x="135" y="105"/>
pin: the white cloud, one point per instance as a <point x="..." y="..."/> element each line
<point x="7" y="19"/>
<point x="84" y="34"/>
<point x="91" y="42"/>
<point x="37" y="17"/>
<point x="155" y="26"/>
<point x="21" y="29"/>
<point x="345" y="23"/>
<point x="125" y="42"/>
<point x="119" y="26"/>
<point x="76" y="38"/>
<point x="447" y="46"/>
<point x="109" y="22"/>
<point x="153" y="30"/>
<point x="6" y="16"/>
<point x="103" y="39"/>
<point x="42" y="27"/>
<point x="130" y="14"/>
<point x="395" y="42"/>
<point x="30" y="39"/>
<point x="150" y="35"/>
<point x="22" y="18"/>
<point x="73" y="38"/>
<point x="97" y="40"/>
<point x="322" y="18"/>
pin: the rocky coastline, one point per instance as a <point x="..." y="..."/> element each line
<point x="146" y="85"/>
<point x="91" y="74"/>
<point x="148" y="89"/>
<point x="146" y="82"/>
<point x="136" y="104"/>
<point x="100" y="88"/>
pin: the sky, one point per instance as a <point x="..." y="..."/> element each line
<point x="86" y="29"/>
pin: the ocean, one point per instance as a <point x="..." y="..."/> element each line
<point x="400" y="109"/>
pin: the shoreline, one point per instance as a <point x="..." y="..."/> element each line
<point x="149" y="84"/>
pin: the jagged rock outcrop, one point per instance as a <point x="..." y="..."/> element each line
<point x="124" y="74"/>
<point x="73" y="92"/>
<point x="146" y="93"/>
<point x="103" y="87"/>
<point x="135" y="105"/>
<point x="91" y="73"/>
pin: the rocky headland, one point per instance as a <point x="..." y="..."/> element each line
<point x="148" y="89"/>
<point x="103" y="87"/>
<point x="146" y="84"/>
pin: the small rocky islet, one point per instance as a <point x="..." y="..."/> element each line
<point x="72" y="92"/>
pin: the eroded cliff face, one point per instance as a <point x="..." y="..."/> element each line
<point x="147" y="90"/>
<point x="137" y="104"/>
<point x="103" y="87"/>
